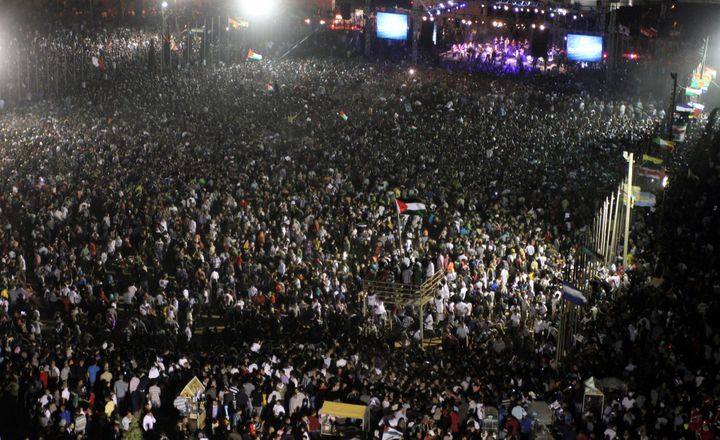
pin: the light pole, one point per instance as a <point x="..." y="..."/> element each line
<point x="163" y="7"/>
<point x="630" y="158"/>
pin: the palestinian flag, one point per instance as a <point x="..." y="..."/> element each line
<point x="690" y="91"/>
<point x="652" y="173"/>
<point x="591" y="253"/>
<point x="669" y="145"/>
<point x="409" y="206"/>
<point x="254" y="56"/>
<point x="343" y="115"/>
<point x="390" y="433"/>
<point x="651" y="162"/>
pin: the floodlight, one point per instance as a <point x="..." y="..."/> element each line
<point x="257" y="9"/>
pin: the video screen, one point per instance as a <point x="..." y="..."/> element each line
<point x="588" y="48"/>
<point x="392" y="26"/>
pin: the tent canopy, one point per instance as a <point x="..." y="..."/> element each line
<point x="192" y="388"/>
<point x="345" y="410"/>
<point x="591" y="389"/>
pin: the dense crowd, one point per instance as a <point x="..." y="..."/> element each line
<point x="219" y="223"/>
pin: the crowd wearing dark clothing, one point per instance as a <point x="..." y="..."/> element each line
<point x="259" y="197"/>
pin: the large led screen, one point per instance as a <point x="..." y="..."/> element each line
<point x="392" y="26"/>
<point x="588" y="48"/>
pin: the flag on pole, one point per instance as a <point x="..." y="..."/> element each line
<point x="343" y="115"/>
<point x="237" y="24"/>
<point x="646" y="200"/>
<point x="649" y="32"/>
<point x="591" y="253"/>
<point x="634" y="194"/>
<point x="254" y="56"/>
<point x="678" y="131"/>
<point x="652" y="173"/>
<point x="669" y="145"/>
<point x="269" y="88"/>
<point x="711" y="72"/>
<point x="692" y="91"/>
<point x="651" y="161"/>
<point x="409" y="206"/>
<point x="573" y="294"/>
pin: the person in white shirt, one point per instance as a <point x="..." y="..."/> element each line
<point x="148" y="422"/>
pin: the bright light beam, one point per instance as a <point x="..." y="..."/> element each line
<point x="257" y="9"/>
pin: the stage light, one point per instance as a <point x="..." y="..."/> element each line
<point x="257" y="9"/>
<point x="533" y="25"/>
<point x="164" y="5"/>
<point x="432" y="18"/>
<point x="552" y="15"/>
<point x="516" y="9"/>
<point x="322" y="22"/>
<point x="542" y="27"/>
<point x="574" y="17"/>
<point x="505" y="8"/>
<point x="665" y="182"/>
<point x="424" y="18"/>
<point x="412" y="71"/>
<point x="307" y="21"/>
<point x="536" y="10"/>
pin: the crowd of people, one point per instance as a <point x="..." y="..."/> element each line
<point x="219" y="222"/>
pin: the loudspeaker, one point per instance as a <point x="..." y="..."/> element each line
<point x="539" y="44"/>
<point x="426" y="34"/>
<point x="345" y="9"/>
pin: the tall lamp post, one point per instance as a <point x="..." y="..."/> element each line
<point x="163" y="7"/>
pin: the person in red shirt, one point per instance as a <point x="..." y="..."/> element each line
<point x="455" y="423"/>
<point x="313" y="425"/>
<point x="512" y="426"/>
